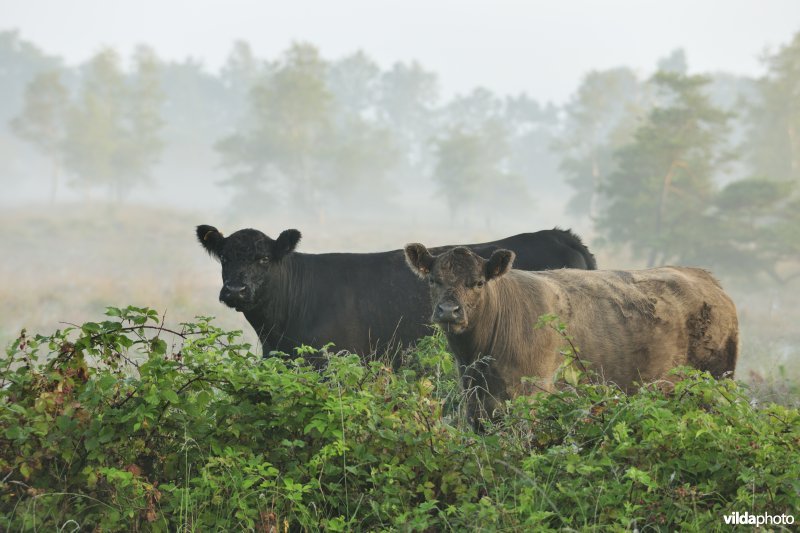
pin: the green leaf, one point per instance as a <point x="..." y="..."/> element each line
<point x="171" y="396"/>
<point x="158" y="346"/>
<point x="91" y="327"/>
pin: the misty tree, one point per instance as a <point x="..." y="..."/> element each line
<point x="774" y="137"/>
<point x="238" y="75"/>
<point x="314" y="133"/>
<point x="354" y="82"/>
<point x="409" y="95"/>
<point x="286" y="130"/>
<point x="473" y="155"/>
<point x="95" y="124"/>
<point x="466" y="164"/>
<point x="364" y="151"/>
<point x="599" y="119"/>
<point x="41" y="121"/>
<point x="754" y="229"/>
<point x="759" y="217"/>
<point x="112" y="130"/>
<point x="471" y="171"/>
<point x="532" y="131"/>
<point x="145" y="98"/>
<point x="361" y="157"/>
<point x="675" y="63"/>
<point x="188" y="88"/>
<point x="731" y="92"/>
<point x="657" y="198"/>
<point x="474" y="110"/>
<point x="21" y="61"/>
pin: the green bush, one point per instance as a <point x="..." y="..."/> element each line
<point x="123" y="425"/>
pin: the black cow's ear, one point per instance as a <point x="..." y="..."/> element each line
<point x="419" y="259"/>
<point x="211" y="239"/>
<point x="499" y="263"/>
<point x="285" y="244"/>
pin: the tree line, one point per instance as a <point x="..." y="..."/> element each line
<point x="675" y="167"/>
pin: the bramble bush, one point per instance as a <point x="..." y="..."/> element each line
<point x="125" y="425"/>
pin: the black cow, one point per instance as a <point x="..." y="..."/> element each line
<point x="364" y="303"/>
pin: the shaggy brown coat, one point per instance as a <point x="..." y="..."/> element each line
<point x="629" y="326"/>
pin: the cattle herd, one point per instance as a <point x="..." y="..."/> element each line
<point x="630" y="326"/>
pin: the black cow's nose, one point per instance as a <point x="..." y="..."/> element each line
<point x="232" y="292"/>
<point x="448" y="311"/>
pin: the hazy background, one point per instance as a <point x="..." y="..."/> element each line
<point x="661" y="132"/>
<point x="539" y="48"/>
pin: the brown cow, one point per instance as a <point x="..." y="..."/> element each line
<point x="630" y="326"/>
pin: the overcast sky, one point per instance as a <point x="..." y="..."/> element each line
<point x="509" y="46"/>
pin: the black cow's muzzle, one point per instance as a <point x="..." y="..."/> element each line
<point x="236" y="296"/>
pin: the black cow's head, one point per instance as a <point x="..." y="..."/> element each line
<point x="457" y="279"/>
<point x="248" y="259"/>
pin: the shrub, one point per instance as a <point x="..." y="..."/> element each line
<point x="123" y="425"/>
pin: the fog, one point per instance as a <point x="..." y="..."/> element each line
<point x="367" y="125"/>
<point x="508" y="46"/>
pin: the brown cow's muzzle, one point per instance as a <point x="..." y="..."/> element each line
<point x="450" y="316"/>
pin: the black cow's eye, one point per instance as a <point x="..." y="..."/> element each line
<point x="263" y="260"/>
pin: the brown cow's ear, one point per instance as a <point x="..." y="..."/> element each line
<point x="286" y="243"/>
<point x="419" y="259"/>
<point x="211" y="239"/>
<point x="499" y="263"/>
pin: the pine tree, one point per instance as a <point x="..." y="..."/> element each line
<point x="600" y="118"/>
<point x="774" y="140"/>
<point x="657" y="199"/>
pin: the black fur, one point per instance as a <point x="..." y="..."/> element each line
<point x="211" y="239"/>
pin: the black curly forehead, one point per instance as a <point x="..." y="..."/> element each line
<point x="246" y="242"/>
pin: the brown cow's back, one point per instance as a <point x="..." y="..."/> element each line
<point x="632" y="326"/>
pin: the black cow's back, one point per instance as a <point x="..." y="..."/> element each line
<point x="370" y="303"/>
<point x="542" y="250"/>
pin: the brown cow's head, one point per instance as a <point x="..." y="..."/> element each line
<point x="457" y="280"/>
<point x="249" y="258"/>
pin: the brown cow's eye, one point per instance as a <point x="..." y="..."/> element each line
<point x="475" y="285"/>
